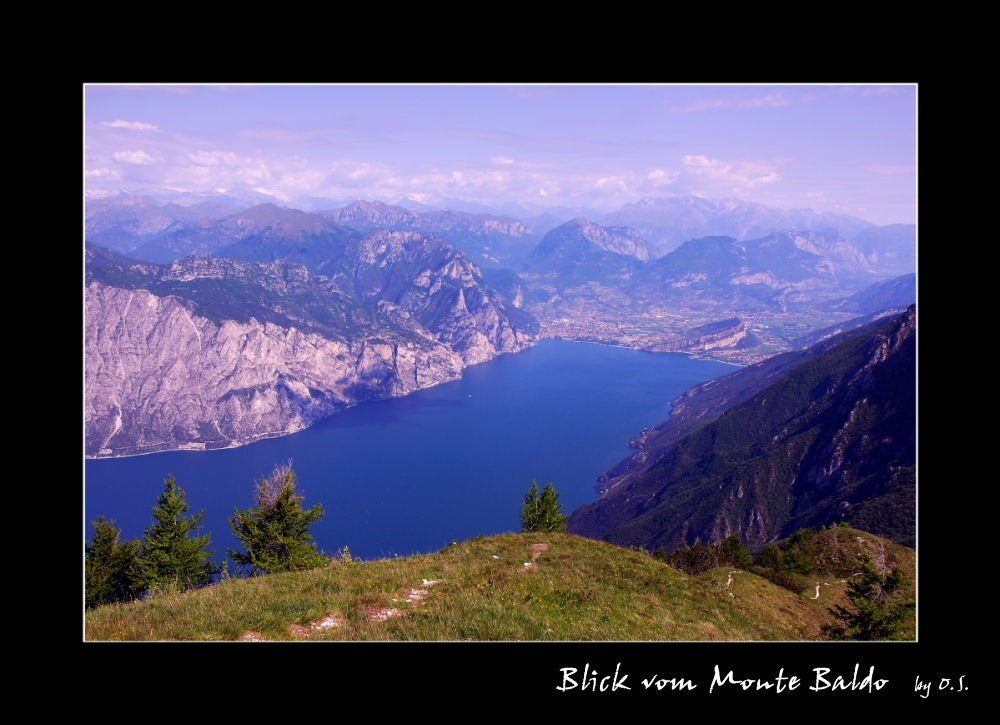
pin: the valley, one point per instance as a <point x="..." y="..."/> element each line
<point x="744" y="342"/>
<point x="266" y="321"/>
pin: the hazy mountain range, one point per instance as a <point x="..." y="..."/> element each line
<point x="242" y="302"/>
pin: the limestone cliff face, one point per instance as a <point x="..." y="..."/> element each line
<point x="440" y="288"/>
<point x="372" y="214"/>
<point x="620" y="240"/>
<point x="729" y="336"/>
<point x="208" y="353"/>
<point x="159" y="377"/>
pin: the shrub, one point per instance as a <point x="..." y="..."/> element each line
<point x="791" y="582"/>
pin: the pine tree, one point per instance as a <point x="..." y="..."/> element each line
<point x="877" y="612"/>
<point x="550" y="518"/>
<point x="733" y="553"/>
<point x="799" y="552"/>
<point x="702" y="557"/>
<point x="171" y="558"/>
<point x="529" y="509"/>
<point x="541" y="512"/>
<point x="111" y="568"/>
<point x="275" y="533"/>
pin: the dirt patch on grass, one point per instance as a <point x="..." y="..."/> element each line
<point x="536" y="550"/>
<point x="411" y="595"/>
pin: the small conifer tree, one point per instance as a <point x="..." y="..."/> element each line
<point x="529" y="509"/>
<point x="770" y="557"/>
<point x="733" y="553"/>
<point x="876" y="613"/>
<point x="541" y="511"/>
<point x="111" y="567"/>
<point x="171" y="558"/>
<point x="550" y="516"/>
<point x="275" y="533"/>
<point x="799" y="552"/>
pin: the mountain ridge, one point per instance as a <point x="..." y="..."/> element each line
<point x="832" y="439"/>
<point x="208" y="353"/>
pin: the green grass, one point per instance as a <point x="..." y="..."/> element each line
<point x="578" y="590"/>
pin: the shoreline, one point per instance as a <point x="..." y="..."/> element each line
<point x="189" y="447"/>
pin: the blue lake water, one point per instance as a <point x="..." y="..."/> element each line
<point x="413" y="474"/>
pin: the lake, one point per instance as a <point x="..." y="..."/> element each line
<point x="412" y="474"/>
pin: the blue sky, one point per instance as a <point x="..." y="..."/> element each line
<point x="837" y="148"/>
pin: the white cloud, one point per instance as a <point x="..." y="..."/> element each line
<point x="134" y="125"/>
<point x="767" y="179"/>
<point x="133" y="157"/>
<point x="698" y="161"/>
<point x="501" y="159"/>
<point x="612" y="183"/>
<point x="738" y="174"/>
<point x="280" y="196"/>
<point x="213" y="158"/>
<point x="102" y="173"/>
<point x="99" y="193"/>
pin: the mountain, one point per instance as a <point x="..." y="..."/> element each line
<point x="262" y="233"/>
<point x="897" y="293"/>
<point x="666" y="223"/>
<point x="832" y="439"/>
<point x="775" y="271"/>
<point x="779" y="271"/>
<point x="720" y="297"/>
<point x="366" y="216"/>
<point x="488" y="240"/>
<point x="542" y="224"/>
<point x="579" y="252"/>
<point x="892" y="249"/>
<point x="124" y="223"/>
<point x="705" y="402"/>
<point x="439" y="288"/>
<point x="417" y="272"/>
<point x="572" y="241"/>
<point x="211" y="353"/>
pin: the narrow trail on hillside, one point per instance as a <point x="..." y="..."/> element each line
<point x="410" y="595"/>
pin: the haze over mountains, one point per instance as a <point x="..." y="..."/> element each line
<point x="246" y="300"/>
<point x="215" y="325"/>
<point x="667" y="223"/>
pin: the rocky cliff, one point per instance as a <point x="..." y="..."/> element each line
<point x="441" y="289"/>
<point x="722" y="334"/>
<point x="209" y="353"/>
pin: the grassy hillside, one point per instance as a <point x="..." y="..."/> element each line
<point x="510" y="587"/>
